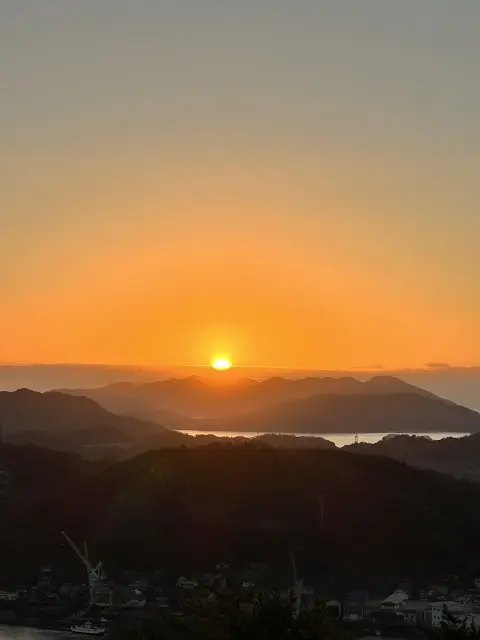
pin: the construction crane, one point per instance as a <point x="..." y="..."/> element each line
<point x="95" y="574"/>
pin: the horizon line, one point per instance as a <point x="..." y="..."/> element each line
<point x="358" y="368"/>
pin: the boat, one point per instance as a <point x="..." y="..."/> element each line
<point x="87" y="629"/>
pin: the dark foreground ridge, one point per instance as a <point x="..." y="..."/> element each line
<point x="457" y="456"/>
<point x="185" y="510"/>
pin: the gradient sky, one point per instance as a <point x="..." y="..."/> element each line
<point x="292" y="183"/>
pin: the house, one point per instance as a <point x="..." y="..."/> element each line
<point x="162" y="602"/>
<point x="124" y="596"/>
<point x="104" y="595"/>
<point x="353" y="607"/>
<point x="184" y="583"/>
<point x="334" y="608"/>
<point x="207" y="580"/>
<point x="415" y="612"/>
<point x="45" y="578"/>
<point x="371" y="608"/>
<point x="395" y="600"/>
<point x="135" y="603"/>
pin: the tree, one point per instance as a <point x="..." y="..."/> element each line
<point x="232" y="617"/>
<point x="453" y="628"/>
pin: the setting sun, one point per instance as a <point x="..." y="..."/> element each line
<point x="221" y="364"/>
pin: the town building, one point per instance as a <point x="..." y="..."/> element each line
<point x="461" y="611"/>
<point x="184" y="583"/>
<point x="395" y="600"/>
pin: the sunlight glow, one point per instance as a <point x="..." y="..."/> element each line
<point x="221" y="364"/>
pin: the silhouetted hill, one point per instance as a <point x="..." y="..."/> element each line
<point x="292" y="442"/>
<point x="458" y="456"/>
<point x="393" y="413"/>
<point x="71" y="423"/>
<point x="172" y="402"/>
<point x="459" y="384"/>
<point x="390" y="385"/>
<point x="185" y="510"/>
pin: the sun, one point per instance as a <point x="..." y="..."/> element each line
<point x="221" y="364"/>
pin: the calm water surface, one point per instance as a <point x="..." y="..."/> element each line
<point x="340" y="439"/>
<point x="25" y="633"/>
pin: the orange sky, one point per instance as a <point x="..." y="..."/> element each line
<point x="289" y="189"/>
<point x="254" y="295"/>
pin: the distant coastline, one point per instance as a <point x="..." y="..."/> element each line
<point x="339" y="439"/>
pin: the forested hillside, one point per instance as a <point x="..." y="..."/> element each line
<point x="183" y="510"/>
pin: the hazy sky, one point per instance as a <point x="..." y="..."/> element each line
<point x="292" y="183"/>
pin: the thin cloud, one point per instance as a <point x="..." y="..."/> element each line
<point x="437" y="365"/>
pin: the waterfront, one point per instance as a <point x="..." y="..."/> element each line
<point x="340" y="439"/>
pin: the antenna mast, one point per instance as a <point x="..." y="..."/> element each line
<point x="297" y="588"/>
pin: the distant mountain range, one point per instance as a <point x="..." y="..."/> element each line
<point x="330" y="414"/>
<point x="308" y="405"/>
<point x="79" y="425"/>
<point x="74" y="424"/>
<point x="461" y="384"/>
<point x="197" y="397"/>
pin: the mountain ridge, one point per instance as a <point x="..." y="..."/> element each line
<point x="196" y="397"/>
<point x="459" y="457"/>
<point x="373" y="413"/>
<point x="62" y="421"/>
